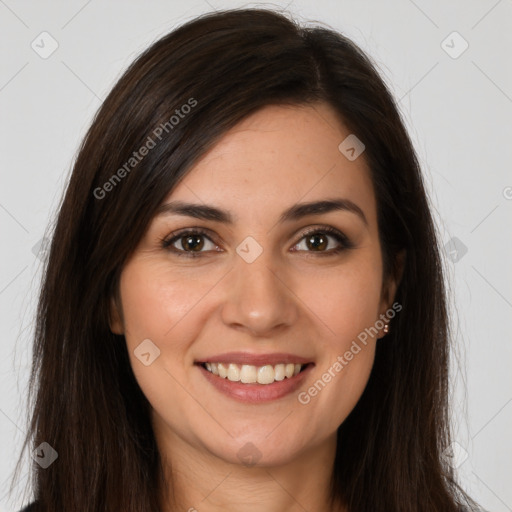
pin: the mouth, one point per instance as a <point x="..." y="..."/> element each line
<point x="250" y="374"/>
<point x="267" y="378"/>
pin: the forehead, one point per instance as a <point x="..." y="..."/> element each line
<point x="277" y="157"/>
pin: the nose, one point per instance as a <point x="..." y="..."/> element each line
<point x="260" y="298"/>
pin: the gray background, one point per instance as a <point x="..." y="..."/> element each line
<point x="457" y="111"/>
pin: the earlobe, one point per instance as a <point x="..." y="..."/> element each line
<point x="389" y="292"/>
<point x="115" y="321"/>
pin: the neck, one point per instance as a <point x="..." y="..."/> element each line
<point x="197" y="480"/>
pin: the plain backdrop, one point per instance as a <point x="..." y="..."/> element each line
<point x="449" y="66"/>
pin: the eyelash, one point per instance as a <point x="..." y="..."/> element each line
<point x="342" y="239"/>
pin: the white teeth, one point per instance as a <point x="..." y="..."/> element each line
<point x="249" y="374"/>
<point x="233" y="373"/>
<point x="223" y="371"/>
<point x="279" y="372"/>
<point x="266" y="374"/>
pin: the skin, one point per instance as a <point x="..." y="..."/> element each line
<point x="295" y="301"/>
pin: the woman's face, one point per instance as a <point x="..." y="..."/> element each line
<point x="256" y="286"/>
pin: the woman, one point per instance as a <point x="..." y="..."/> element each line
<point x="244" y="305"/>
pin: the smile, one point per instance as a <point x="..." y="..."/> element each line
<point x="249" y="374"/>
<point x="254" y="392"/>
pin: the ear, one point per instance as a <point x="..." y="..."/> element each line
<point x="115" y="317"/>
<point x="389" y="288"/>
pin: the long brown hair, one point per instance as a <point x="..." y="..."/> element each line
<point x="86" y="402"/>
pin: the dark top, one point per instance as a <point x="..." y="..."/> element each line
<point x="30" y="508"/>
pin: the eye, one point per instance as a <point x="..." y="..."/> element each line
<point x="192" y="242"/>
<point x="316" y="240"/>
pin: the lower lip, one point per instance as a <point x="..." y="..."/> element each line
<point x="256" y="393"/>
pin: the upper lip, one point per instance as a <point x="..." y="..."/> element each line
<point x="255" y="359"/>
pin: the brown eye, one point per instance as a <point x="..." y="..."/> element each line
<point x="188" y="243"/>
<point x="192" y="242"/>
<point x="319" y="241"/>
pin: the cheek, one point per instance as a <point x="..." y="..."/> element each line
<point x="157" y="306"/>
<point x="345" y="300"/>
<point x="155" y="301"/>
<point x="346" y="304"/>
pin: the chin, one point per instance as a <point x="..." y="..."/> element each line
<point x="254" y="451"/>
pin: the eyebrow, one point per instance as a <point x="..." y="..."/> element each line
<point x="295" y="212"/>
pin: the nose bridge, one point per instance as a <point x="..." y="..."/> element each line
<point x="258" y="298"/>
